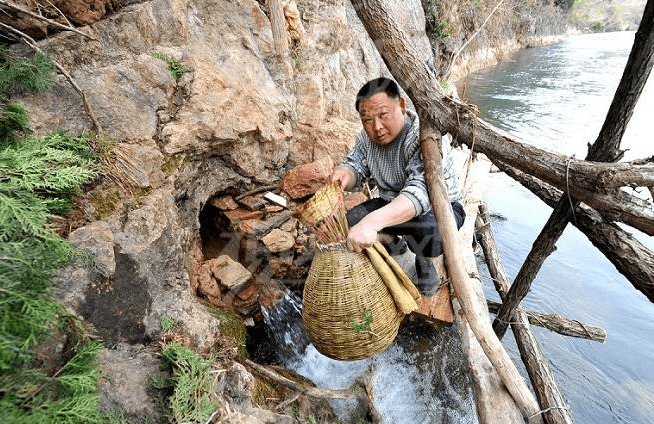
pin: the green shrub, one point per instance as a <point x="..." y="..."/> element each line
<point x="38" y="178"/>
<point x="192" y="382"/>
<point x="35" y="74"/>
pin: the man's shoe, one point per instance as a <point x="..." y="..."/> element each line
<point x="397" y="246"/>
<point x="427" y="276"/>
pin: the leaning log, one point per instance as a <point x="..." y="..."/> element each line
<point x="555" y="411"/>
<point x="630" y="257"/>
<point x="493" y="402"/>
<point x="559" y="324"/>
<point x="605" y="149"/>
<point x="475" y="312"/>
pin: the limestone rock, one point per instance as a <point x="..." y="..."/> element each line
<point x="98" y="238"/>
<point x="141" y="164"/>
<point x="278" y="240"/>
<point x="126" y="384"/>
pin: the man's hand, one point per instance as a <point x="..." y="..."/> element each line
<point x="361" y="236"/>
<point x="364" y="234"/>
<point x="344" y="177"/>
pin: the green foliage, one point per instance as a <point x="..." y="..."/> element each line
<point x="38" y="178"/>
<point x="232" y="328"/>
<point x="13" y="121"/>
<point x="106" y="203"/>
<point x="175" y="68"/>
<point x="172" y="163"/>
<point x="46" y="173"/>
<point x="35" y="74"/>
<point x="362" y="327"/>
<point x="295" y="57"/>
<point x="439" y="29"/>
<point x="192" y="382"/>
<point x="69" y="397"/>
<point x="445" y="85"/>
<point x="167" y="323"/>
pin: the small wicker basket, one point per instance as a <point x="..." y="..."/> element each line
<point x="348" y="311"/>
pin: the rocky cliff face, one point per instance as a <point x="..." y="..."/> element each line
<point x="239" y="118"/>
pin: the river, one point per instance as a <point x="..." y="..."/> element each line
<point x="557" y="98"/>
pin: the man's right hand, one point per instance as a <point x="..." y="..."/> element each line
<point x="342" y="176"/>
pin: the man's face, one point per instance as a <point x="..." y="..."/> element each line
<point x="382" y="117"/>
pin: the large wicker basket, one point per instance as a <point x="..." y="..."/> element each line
<point x="347" y="310"/>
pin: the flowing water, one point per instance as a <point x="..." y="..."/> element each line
<point x="557" y="98"/>
<point x="420" y="378"/>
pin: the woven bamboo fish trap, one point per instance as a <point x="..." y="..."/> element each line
<point x="348" y="311"/>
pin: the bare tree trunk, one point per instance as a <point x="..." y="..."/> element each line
<point x="605" y="149"/>
<point x="630" y="257"/>
<point x="555" y="411"/>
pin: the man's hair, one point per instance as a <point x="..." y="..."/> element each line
<point x="379" y="85"/>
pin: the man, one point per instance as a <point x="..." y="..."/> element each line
<point x="387" y="151"/>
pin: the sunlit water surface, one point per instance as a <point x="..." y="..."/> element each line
<point x="557" y="98"/>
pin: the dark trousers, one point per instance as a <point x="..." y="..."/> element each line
<point x="420" y="233"/>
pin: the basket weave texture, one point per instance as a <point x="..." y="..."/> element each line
<point x="347" y="310"/>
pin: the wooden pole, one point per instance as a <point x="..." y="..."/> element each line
<point x="494" y="404"/>
<point x="605" y="149"/>
<point x="630" y="257"/>
<point x="555" y="411"/>
<point x="559" y="324"/>
<point x="462" y="283"/>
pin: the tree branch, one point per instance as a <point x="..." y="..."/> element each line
<point x="44" y="19"/>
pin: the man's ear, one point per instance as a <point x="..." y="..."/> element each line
<point x="402" y="104"/>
